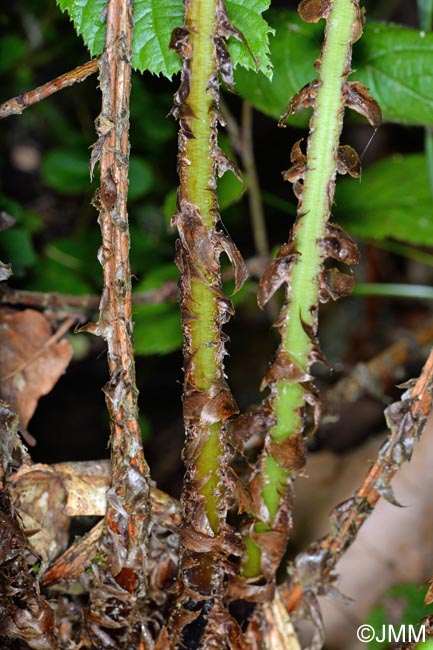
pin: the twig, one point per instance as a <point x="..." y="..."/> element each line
<point x="17" y="105"/>
<point x="168" y="292"/>
<point x="125" y="536"/>
<point x="254" y="194"/>
<point x="242" y="142"/>
<point x="406" y="420"/>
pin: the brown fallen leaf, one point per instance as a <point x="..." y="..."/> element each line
<point x="31" y="360"/>
<point x="46" y="496"/>
<point x="40" y="497"/>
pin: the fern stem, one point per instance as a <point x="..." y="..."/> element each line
<point x="288" y="396"/>
<point x="207" y="402"/>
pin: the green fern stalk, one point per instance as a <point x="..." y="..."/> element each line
<point x="207" y="402"/>
<point x="288" y="395"/>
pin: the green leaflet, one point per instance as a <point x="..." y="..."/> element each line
<point x="392" y="200"/>
<point x="394" y="62"/>
<point x="154" y="23"/>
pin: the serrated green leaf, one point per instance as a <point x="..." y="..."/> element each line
<point x="247" y="16"/>
<point x="88" y="17"/>
<point x="395" y="62"/>
<point x="154" y="23"/>
<point x="392" y="200"/>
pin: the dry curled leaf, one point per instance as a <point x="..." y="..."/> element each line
<point x="31" y="361"/>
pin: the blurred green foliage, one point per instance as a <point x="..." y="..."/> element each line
<point x="407" y="598"/>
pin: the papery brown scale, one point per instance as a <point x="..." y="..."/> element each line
<point x="315" y="355"/>
<point x="108" y="192"/>
<point x="182" y="92"/>
<point x="289" y="453"/>
<point x="272" y="544"/>
<point x="311" y="397"/>
<point x="295" y="173"/>
<point x="338" y="245"/>
<point x="225" y="67"/>
<point x="335" y="284"/>
<point x="348" y="161"/>
<point x="236" y="259"/>
<point x="226" y="28"/>
<point x="253" y="590"/>
<point x="276" y="274"/>
<point x="284" y="368"/>
<point x="195" y="237"/>
<point x="310" y="329"/>
<point x="296" y="153"/>
<point x="224" y="164"/>
<point x="195" y="505"/>
<point x="222" y="631"/>
<point x="313" y="10"/>
<point x="358" y="26"/>
<point x="193" y="540"/>
<point x="219" y="407"/>
<point x="186" y="129"/>
<point x="179" y="42"/>
<point x="258" y="506"/>
<point x="252" y="424"/>
<point x="358" y="98"/>
<point x="304" y="98"/>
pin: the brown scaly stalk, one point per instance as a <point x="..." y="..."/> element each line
<point x="207" y="541"/>
<point x="312" y="572"/>
<point x="119" y="585"/>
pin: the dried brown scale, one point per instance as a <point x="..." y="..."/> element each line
<point x="313" y="10"/>
<point x="277" y="273"/>
<point x="357" y="97"/>
<point x="348" y="161"/>
<point x="338" y="245"/>
<point x="335" y="284"/>
<point x="304" y="98"/>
